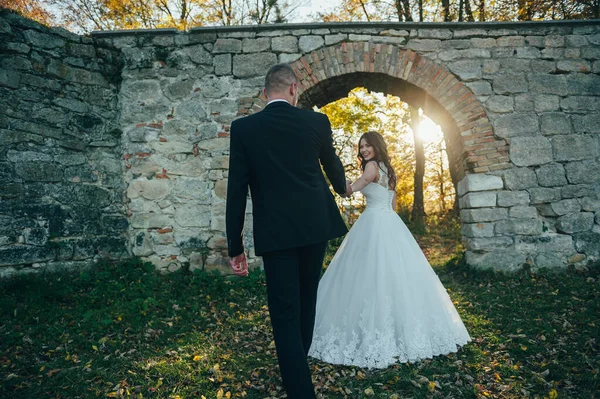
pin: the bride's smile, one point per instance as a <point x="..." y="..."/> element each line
<point x="366" y="150"/>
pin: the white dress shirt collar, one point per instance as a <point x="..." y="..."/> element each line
<point x="278" y="100"/>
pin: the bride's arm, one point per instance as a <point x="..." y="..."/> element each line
<point x="395" y="202"/>
<point x="368" y="176"/>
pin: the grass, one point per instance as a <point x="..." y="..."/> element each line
<point x="126" y="331"/>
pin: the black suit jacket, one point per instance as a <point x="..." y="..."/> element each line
<point x="278" y="153"/>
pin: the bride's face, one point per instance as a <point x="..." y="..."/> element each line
<point x="366" y="150"/>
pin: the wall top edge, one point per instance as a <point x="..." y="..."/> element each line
<point x="349" y="25"/>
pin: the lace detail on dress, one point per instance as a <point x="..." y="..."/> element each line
<point x="377" y="193"/>
<point x="379" y="343"/>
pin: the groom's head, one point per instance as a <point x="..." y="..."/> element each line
<point x="281" y="83"/>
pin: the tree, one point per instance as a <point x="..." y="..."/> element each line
<point x="87" y="15"/>
<point x="32" y="9"/>
<point x="461" y="10"/>
<point x="418" y="209"/>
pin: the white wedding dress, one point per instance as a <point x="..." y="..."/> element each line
<point x="380" y="301"/>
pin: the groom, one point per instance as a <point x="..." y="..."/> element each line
<point x="278" y="153"/>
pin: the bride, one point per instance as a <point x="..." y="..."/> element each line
<point x="380" y="301"/>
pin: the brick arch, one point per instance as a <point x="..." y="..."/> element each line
<point x="329" y="73"/>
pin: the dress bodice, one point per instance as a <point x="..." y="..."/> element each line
<point x="378" y="194"/>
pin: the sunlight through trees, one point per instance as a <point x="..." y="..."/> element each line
<point x="362" y="111"/>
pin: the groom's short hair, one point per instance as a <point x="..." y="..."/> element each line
<point x="279" y="77"/>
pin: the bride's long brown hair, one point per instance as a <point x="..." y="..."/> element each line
<point x="375" y="140"/>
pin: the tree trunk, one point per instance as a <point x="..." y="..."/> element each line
<point x="460" y="10"/>
<point x="441" y="177"/>
<point x="407" y="15"/>
<point x="468" y="11"/>
<point x="364" y="8"/>
<point x="446" y="10"/>
<point x="418" y="211"/>
<point x="420" y="10"/>
<point x="482" y="10"/>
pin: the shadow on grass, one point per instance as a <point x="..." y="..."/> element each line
<point x="126" y="331"/>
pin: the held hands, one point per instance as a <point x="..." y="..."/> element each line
<point x="239" y="264"/>
<point x="349" y="191"/>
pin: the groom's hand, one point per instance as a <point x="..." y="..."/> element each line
<point x="348" y="192"/>
<point x="239" y="264"/>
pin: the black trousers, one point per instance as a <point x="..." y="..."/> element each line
<point x="292" y="281"/>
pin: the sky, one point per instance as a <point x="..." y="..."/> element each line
<point x="312" y="7"/>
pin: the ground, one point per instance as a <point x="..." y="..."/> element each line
<point x="123" y="330"/>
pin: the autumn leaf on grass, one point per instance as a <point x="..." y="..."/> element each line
<point x="220" y="393"/>
<point x="431" y="386"/>
<point x="552" y="394"/>
<point x="369" y="391"/>
<point x="360" y="375"/>
<point x="197" y="358"/>
<point x="52" y="372"/>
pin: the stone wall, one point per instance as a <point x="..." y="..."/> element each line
<point x="61" y="176"/>
<point x="518" y="104"/>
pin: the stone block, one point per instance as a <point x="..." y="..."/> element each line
<point x="227" y="46"/>
<point x="589" y="123"/>
<point x="519" y="227"/>
<point x="286" y="44"/>
<point x="519" y="178"/>
<point x="540" y="195"/>
<point x="192" y="215"/>
<point x="529" y="151"/>
<point x="588" y="243"/>
<point x="548" y="84"/>
<point x="583" y="172"/>
<point x="333" y="39"/>
<point x="479" y="182"/>
<point x="578" y="191"/>
<point x="489" y="244"/>
<point x="43" y="40"/>
<point x="478" y="200"/>
<point x="309" y="43"/>
<point x="151" y="220"/>
<point x="500" y="104"/>
<point x="480" y="88"/>
<point x="555" y="123"/>
<point x="505" y="259"/>
<point x="424" y="45"/>
<point x="565" y="207"/>
<point x="573" y="147"/>
<point x="39" y="171"/>
<point x="590" y="204"/>
<point x="551" y="175"/>
<point x="523" y="212"/>
<point x="575" y="222"/>
<point x="249" y="65"/>
<point x="466" y="70"/>
<point x="478" y="230"/>
<point x="510" y="84"/>
<point x="483" y="215"/>
<point x="256" y="45"/>
<point x="515" y="125"/>
<point x="512" y="198"/>
<point x="579" y="84"/>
